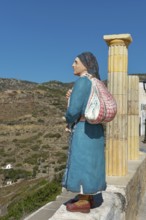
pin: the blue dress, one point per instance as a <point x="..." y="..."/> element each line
<point x="85" y="169"/>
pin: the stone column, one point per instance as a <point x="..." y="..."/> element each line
<point x="133" y="117"/>
<point x="116" y="131"/>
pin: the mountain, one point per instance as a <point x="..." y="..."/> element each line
<point x="32" y="131"/>
<point x="15" y="84"/>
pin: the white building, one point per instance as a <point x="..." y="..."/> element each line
<point x="142" y="106"/>
<point x="142" y="102"/>
<point x="8" y="166"/>
<point x="9" y="182"/>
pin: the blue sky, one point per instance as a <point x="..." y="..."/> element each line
<point x="39" y="39"/>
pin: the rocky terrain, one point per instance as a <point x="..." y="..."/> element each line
<point x="32" y="130"/>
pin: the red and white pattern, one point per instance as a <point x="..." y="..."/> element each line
<point x="101" y="106"/>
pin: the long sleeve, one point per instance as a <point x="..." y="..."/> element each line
<point x="78" y="99"/>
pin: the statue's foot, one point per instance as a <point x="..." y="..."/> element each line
<point x="79" y="206"/>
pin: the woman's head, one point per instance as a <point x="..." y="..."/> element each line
<point x="86" y="61"/>
<point x="78" y="67"/>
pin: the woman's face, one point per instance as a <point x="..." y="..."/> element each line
<point x="78" y="67"/>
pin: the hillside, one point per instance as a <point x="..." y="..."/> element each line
<point x="32" y="131"/>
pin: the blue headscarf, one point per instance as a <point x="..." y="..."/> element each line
<point x="90" y="62"/>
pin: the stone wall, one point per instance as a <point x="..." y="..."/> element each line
<point x="136" y="188"/>
<point x="132" y="187"/>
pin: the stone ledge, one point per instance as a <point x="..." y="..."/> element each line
<point x="121" y="200"/>
<point x="110" y="209"/>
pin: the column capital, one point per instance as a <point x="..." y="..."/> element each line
<point x="118" y="39"/>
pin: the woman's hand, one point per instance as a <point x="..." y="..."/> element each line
<point x="67" y="129"/>
<point x="68" y="93"/>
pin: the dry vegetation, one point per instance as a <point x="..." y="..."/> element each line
<point x="32" y="135"/>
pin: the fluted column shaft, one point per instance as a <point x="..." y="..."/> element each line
<point x="133" y="117"/>
<point x="116" y="131"/>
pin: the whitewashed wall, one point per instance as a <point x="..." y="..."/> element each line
<point x="142" y="108"/>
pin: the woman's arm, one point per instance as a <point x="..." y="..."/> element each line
<point x="77" y="99"/>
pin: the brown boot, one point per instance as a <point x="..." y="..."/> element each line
<point x="79" y="206"/>
<point x="88" y="198"/>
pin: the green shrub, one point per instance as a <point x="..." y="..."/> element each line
<point x="60" y="168"/>
<point x="29" y="139"/>
<point x="44" y="171"/>
<point x="2" y="152"/>
<point x="46" y="146"/>
<point x="65" y="147"/>
<point x="43" y="87"/>
<point x="41" y="120"/>
<point x="33" y="159"/>
<point x="18" y="165"/>
<point x="61" y="157"/>
<point x="14" y="175"/>
<point x="10" y="160"/>
<point x="52" y="135"/>
<point x="35" y="147"/>
<point x="18" y="133"/>
<point x="32" y="200"/>
<point x="15" y="140"/>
